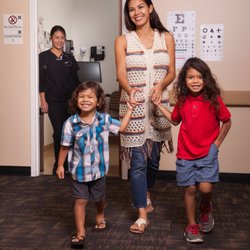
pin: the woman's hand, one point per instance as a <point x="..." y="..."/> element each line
<point x="155" y="93"/>
<point x="44" y="106"/>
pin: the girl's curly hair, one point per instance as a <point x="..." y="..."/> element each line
<point x="211" y="88"/>
<point x="84" y="86"/>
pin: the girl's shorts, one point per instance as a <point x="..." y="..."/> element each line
<point x="91" y="191"/>
<point x="205" y="169"/>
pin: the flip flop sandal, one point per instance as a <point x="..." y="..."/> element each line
<point x="103" y="227"/>
<point x="139" y="222"/>
<point x="77" y="241"/>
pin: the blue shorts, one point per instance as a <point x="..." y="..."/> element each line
<point x="205" y="169"/>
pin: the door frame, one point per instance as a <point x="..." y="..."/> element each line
<point x="34" y="95"/>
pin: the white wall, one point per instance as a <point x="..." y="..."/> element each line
<point x="87" y="23"/>
<point x="232" y="71"/>
<point x="56" y="12"/>
<point x="96" y="22"/>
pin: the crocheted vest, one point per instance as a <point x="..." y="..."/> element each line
<point x="145" y="68"/>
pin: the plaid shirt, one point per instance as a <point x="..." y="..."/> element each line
<point x="88" y="156"/>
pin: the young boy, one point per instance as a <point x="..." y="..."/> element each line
<point x="85" y="141"/>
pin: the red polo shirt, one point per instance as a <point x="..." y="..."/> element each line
<point x="200" y="126"/>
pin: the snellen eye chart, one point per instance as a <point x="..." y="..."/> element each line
<point x="182" y="25"/>
<point x="211" y="42"/>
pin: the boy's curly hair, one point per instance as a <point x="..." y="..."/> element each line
<point x="84" y="86"/>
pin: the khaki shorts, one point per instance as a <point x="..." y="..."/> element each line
<point x="91" y="191"/>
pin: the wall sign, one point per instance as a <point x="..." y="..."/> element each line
<point x="13" y="28"/>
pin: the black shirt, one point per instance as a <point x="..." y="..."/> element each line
<point x="57" y="76"/>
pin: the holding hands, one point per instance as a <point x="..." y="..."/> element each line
<point x="132" y="100"/>
<point x="155" y="94"/>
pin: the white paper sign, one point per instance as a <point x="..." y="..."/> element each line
<point x="13" y="28"/>
<point x="182" y="25"/>
<point x="212" y="42"/>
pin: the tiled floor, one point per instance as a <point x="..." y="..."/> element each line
<point x="114" y="158"/>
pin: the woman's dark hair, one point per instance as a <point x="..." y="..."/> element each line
<point x="84" y="86"/>
<point x="211" y="88"/>
<point x="155" y="21"/>
<point x="57" y="28"/>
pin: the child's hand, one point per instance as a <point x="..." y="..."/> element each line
<point x="130" y="107"/>
<point x="60" y="172"/>
<point x="156" y="93"/>
<point x="132" y="100"/>
<point x="157" y="102"/>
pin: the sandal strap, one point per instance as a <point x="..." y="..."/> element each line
<point x="76" y="237"/>
<point x="102" y="223"/>
<point x="141" y="221"/>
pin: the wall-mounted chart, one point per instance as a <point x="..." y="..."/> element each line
<point x="212" y="42"/>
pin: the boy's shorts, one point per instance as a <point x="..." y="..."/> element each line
<point x="91" y="191"/>
<point x="205" y="169"/>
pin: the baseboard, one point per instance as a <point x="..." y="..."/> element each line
<point x="234" y="177"/>
<point x="168" y="175"/>
<point x="14" y="170"/>
<point x="224" y="177"/>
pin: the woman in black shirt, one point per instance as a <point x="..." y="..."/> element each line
<point x="57" y="80"/>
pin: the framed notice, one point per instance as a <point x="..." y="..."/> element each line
<point x="13" y="28"/>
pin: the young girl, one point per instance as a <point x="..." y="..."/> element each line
<point x="200" y="110"/>
<point x="145" y="59"/>
<point x="85" y="138"/>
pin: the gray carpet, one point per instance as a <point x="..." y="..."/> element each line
<point x="37" y="213"/>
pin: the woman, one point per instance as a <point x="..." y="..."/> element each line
<point x="57" y="80"/>
<point x="145" y="59"/>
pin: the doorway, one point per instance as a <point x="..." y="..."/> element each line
<point x="83" y="35"/>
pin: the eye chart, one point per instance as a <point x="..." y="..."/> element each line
<point x="182" y="25"/>
<point x="211" y="42"/>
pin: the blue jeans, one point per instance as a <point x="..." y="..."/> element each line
<point x="143" y="173"/>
